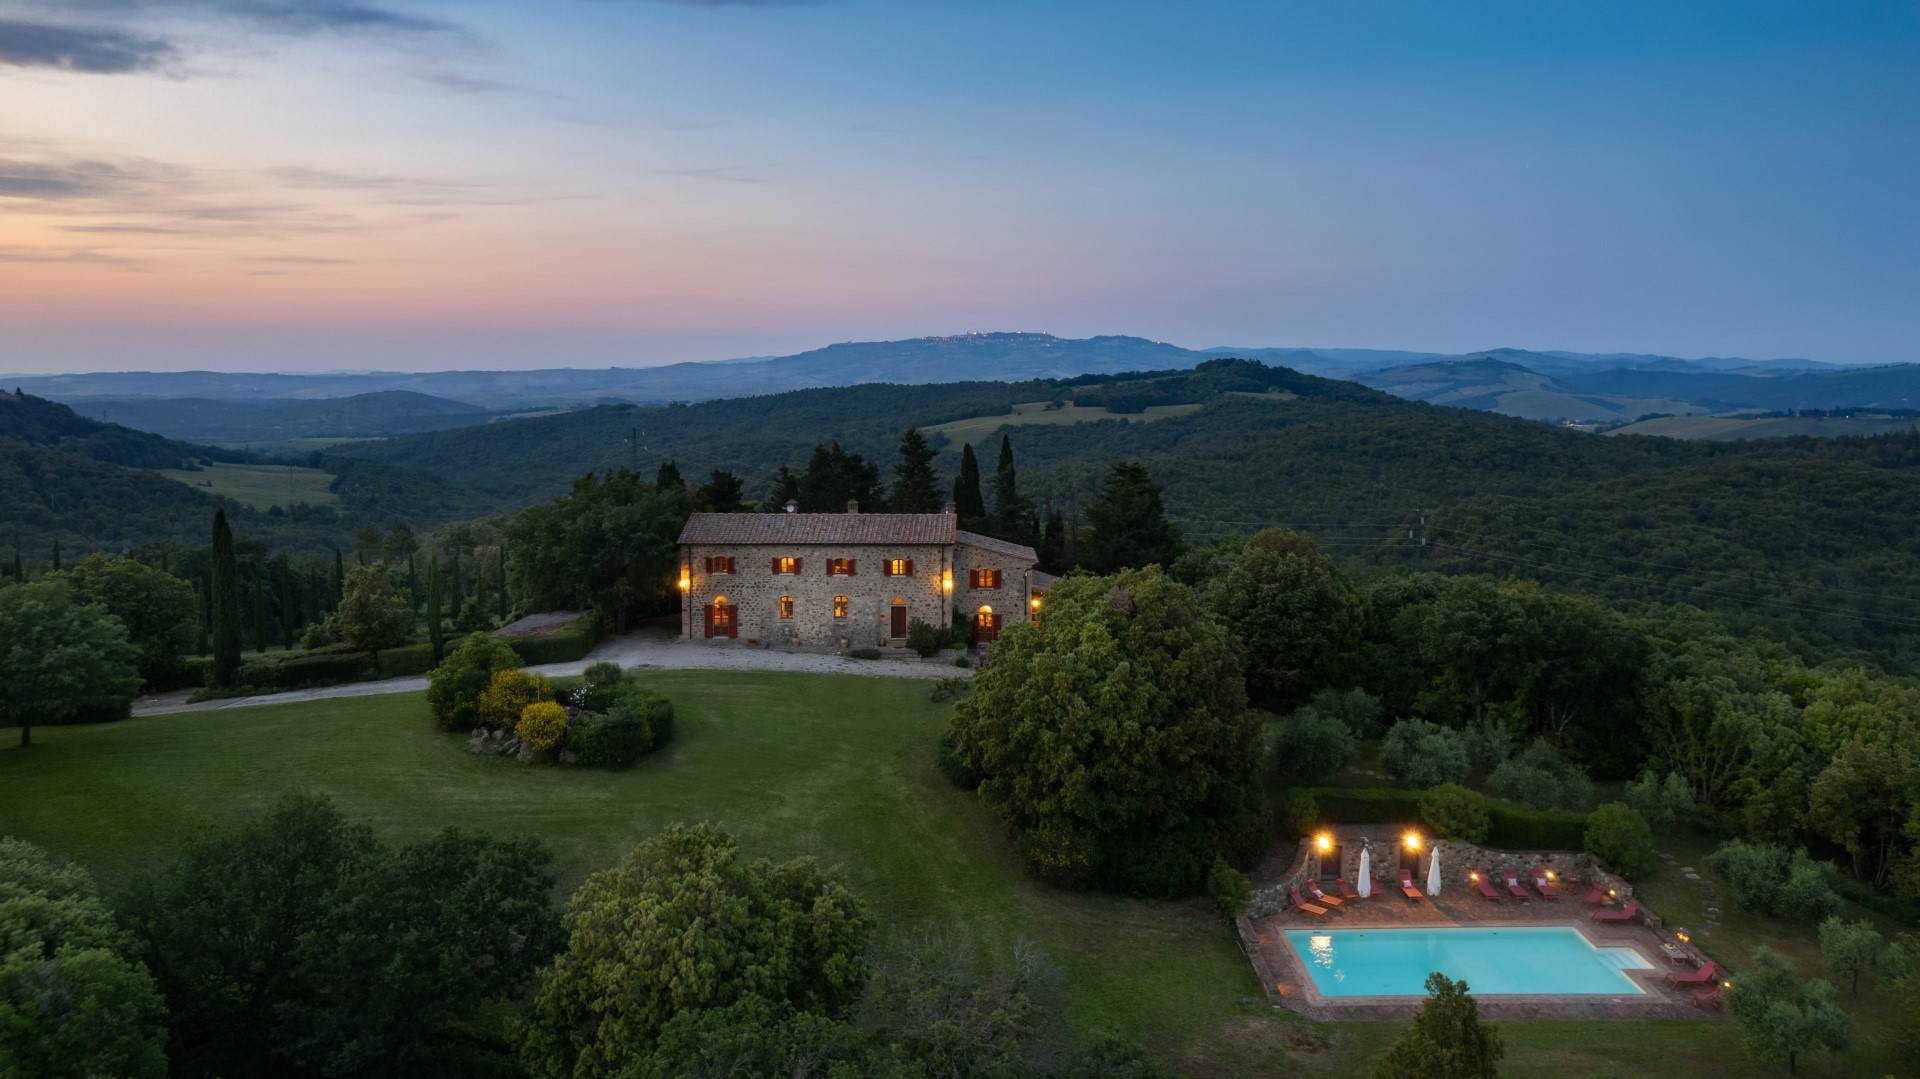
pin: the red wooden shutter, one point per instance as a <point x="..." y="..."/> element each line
<point x="796" y="565"/>
<point x="709" y="619"/>
<point x="909" y="567"/>
<point x="850" y="565"/>
<point x="997" y="618"/>
<point x="707" y="564"/>
<point x="776" y="565"/>
<point x="733" y="624"/>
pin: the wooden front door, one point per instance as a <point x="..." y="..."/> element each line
<point x="897" y="628"/>
<point x="986" y="626"/>
<point x="721" y="621"/>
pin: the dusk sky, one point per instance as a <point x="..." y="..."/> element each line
<point x="285" y="184"/>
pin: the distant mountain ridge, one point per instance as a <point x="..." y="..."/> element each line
<point x="998" y="357"/>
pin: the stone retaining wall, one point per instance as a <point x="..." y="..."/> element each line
<point x="1458" y="858"/>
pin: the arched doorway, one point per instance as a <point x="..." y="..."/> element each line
<point x="986" y="625"/>
<point x="897" y="619"/>
<point x="723" y="618"/>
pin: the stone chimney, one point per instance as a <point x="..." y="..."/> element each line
<point x="853" y="506"/>
<point x="792" y="506"/>
<point x="952" y="510"/>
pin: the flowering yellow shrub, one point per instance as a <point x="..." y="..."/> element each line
<point x="507" y="696"/>
<point x="542" y="724"/>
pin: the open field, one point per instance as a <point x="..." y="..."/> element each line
<point x="260" y="486"/>
<point x="977" y="428"/>
<point x="832" y="766"/>
<point x="1729" y="428"/>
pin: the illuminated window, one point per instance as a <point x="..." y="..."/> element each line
<point x="786" y="564"/>
<point x="720" y="564"/>
<point x="786" y="607"/>
<point x="983" y="578"/>
<point x="839" y="567"/>
<point x="899" y="567"/>
<point x="984" y="617"/>
<point x="839" y="606"/>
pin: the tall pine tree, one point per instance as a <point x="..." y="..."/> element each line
<point x="435" y="633"/>
<point x="1052" y="547"/>
<point x="456" y="595"/>
<point x="259" y="612"/>
<point x="289" y="609"/>
<point x="1128" y="525"/>
<point x="966" y="490"/>
<point x="225" y="603"/>
<point x="915" y="489"/>
<point x="339" y="580"/>
<point x="503" y="582"/>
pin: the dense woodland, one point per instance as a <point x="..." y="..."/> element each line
<point x="1805" y="540"/>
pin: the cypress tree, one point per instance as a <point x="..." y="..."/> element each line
<point x="1052" y="548"/>
<point x="339" y="580"/>
<point x="914" y="488"/>
<point x="413" y="582"/>
<point x="454" y="591"/>
<point x="289" y="611"/>
<point x="503" y="583"/>
<point x="56" y="556"/>
<point x="966" y="490"/>
<point x="1012" y="514"/>
<point x="225" y="603"/>
<point x="259" y="612"/>
<point x="202" y="639"/>
<point x="434" y="633"/>
<point x="1129" y="524"/>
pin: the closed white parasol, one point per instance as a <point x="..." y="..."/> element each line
<point x="1365" y="884"/>
<point x="1433" y="871"/>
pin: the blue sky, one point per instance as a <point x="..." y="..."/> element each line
<point x="279" y="184"/>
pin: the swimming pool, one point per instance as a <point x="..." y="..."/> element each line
<point x="1545" y="960"/>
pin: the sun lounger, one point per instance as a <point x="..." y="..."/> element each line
<point x="1706" y="975"/>
<point x="1707" y="999"/>
<point x="1513" y="886"/>
<point x="1314" y="893"/>
<point x="1407" y="887"/>
<point x="1625" y="914"/>
<point x="1487" y="890"/>
<point x="1596" y="896"/>
<point x="1347" y="891"/>
<point x="1544" y="886"/>
<point x="1305" y="907"/>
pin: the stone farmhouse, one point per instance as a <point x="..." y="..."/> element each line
<point x="832" y="581"/>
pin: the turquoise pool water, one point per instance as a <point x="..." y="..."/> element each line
<point x="1552" y="960"/>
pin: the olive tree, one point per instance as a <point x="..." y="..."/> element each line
<point x="685" y="923"/>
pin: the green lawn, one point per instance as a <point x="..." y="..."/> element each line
<point x="1036" y="412"/>
<point x="260" y="486"/>
<point x="838" y="767"/>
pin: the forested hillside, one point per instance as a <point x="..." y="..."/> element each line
<point x="1803" y="538"/>
<point x="34" y="421"/>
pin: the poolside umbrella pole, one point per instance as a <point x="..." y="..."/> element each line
<point x="1433" y="871"/>
<point x="1365" y="884"/>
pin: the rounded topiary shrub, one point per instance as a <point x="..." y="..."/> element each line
<point x="1425" y="754"/>
<point x="637" y="723"/>
<point x="1455" y="812"/>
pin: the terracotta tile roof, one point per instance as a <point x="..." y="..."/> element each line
<point x="835" y="529"/>
<point x="1043" y="581"/>
<point x="999" y="546"/>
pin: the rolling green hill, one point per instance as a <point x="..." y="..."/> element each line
<point x="35" y="421"/>
<point x="1732" y="428"/>
<point x="1497" y="385"/>
<point x="387" y="412"/>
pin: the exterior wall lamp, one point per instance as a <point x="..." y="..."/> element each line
<point x="946" y="581"/>
<point x="1324" y="843"/>
<point x="686" y="580"/>
<point x="1411" y="840"/>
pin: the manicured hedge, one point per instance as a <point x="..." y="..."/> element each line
<point x="404" y="660"/>
<point x="303" y="671"/>
<point x="570" y="642"/>
<point x="1514" y="827"/>
<point x="191" y="673"/>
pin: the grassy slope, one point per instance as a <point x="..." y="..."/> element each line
<point x="832" y="766"/>
<point x="260" y="486"/>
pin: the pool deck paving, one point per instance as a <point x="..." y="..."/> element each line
<point x="1289" y="985"/>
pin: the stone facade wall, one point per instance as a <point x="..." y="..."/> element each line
<point x="754" y="590"/>
<point x="1009" y="600"/>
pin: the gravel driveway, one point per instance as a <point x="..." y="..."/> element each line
<point x="644" y="650"/>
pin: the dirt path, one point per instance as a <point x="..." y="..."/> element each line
<point x="648" y="650"/>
